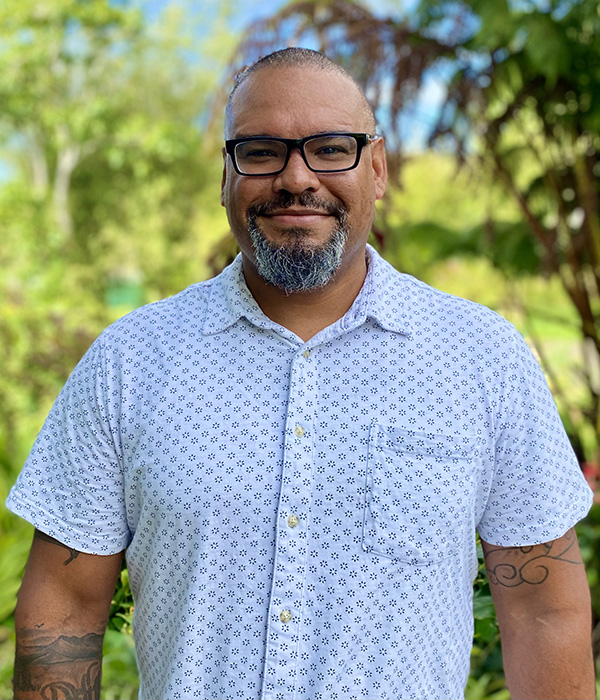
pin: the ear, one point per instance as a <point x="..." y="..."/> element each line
<point x="224" y="177"/>
<point x="380" y="175"/>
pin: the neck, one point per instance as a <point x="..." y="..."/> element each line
<point x="308" y="313"/>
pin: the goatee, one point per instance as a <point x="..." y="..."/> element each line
<point x="298" y="266"/>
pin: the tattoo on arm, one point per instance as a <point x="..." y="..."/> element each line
<point x="514" y="566"/>
<point x="46" y="538"/>
<point x="58" y="667"/>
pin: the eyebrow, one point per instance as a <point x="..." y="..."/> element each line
<point x="272" y="136"/>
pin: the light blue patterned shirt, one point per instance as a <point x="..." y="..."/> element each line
<point x="300" y="518"/>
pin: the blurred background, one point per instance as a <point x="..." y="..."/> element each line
<point x="110" y="168"/>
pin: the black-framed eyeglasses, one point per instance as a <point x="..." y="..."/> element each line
<point x="336" y="152"/>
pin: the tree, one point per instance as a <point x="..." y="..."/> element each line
<point x="55" y="67"/>
<point x="101" y="116"/>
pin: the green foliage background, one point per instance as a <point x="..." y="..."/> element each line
<point x="111" y="200"/>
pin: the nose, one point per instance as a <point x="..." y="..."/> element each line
<point x="297" y="176"/>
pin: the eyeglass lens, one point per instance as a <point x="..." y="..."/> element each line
<point x="322" y="153"/>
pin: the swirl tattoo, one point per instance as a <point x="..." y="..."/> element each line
<point x="514" y="566"/>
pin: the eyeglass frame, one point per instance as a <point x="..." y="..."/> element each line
<point x="362" y="140"/>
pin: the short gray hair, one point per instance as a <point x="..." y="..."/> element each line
<point x="295" y="57"/>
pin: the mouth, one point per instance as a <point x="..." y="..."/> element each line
<point x="297" y="217"/>
<point x="300" y="213"/>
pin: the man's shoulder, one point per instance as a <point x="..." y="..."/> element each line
<point x="166" y="317"/>
<point x="442" y="303"/>
<point x="430" y="309"/>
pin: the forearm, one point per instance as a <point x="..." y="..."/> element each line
<point x="549" y="658"/>
<point x="54" y="664"/>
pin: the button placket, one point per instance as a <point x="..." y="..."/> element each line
<point x="289" y="580"/>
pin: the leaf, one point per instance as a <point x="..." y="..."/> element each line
<point x="486" y="630"/>
<point x="509" y="245"/>
<point x="483" y="607"/>
<point x="547" y="48"/>
<point x="13" y="555"/>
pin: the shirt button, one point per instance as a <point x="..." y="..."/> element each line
<point x="306" y="354"/>
<point x="285" y="616"/>
<point x="293" y="520"/>
<point x="299" y="430"/>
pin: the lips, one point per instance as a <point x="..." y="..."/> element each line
<point x="296" y="216"/>
<point x="298" y="212"/>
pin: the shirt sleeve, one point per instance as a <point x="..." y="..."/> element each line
<point x="537" y="490"/>
<point x="72" y="485"/>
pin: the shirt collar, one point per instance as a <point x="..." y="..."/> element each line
<point x="230" y="299"/>
<point x="384" y="297"/>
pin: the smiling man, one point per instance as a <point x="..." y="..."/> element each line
<point x="296" y="456"/>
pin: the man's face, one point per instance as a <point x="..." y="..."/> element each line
<point x="301" y="226"/>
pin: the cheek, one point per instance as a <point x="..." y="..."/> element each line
<point x="234" y="199"/>
<point x="240" y="193"/>
<point x="358" y="196"/>
<point x="361" y="206"/>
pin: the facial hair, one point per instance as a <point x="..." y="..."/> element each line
<point x="298" y="266"/>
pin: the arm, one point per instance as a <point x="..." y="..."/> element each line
<point x="543" y="607"/>
<point x="60" y="619"/>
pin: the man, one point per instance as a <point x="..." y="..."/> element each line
<point x="297" y="455"/>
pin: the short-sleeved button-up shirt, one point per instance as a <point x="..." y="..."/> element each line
<point x="300" y="517"/>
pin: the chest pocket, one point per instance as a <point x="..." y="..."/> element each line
<point x="419" y="494"/>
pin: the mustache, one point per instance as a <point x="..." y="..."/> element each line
<point x="306" y="200"/>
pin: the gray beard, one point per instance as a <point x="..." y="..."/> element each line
<point x="297" y="266"/>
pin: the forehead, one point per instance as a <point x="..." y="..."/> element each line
<point x="295" y="102"/>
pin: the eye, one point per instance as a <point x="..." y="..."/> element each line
<point x="332" y="148"/>
<point x="331" y="151"/>
<point x="259" y="151"/>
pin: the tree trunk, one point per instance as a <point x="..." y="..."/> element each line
<point x="39" y="167"/>
<point x="68" y="158"/>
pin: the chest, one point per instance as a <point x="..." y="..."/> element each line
<point x="240" y="430"/>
